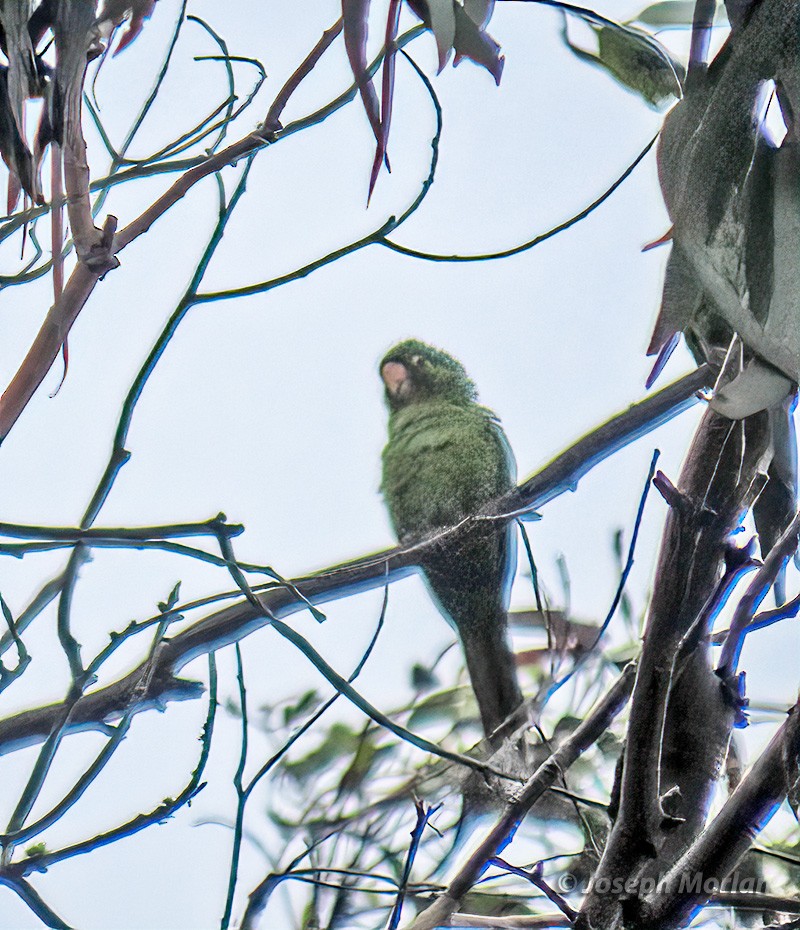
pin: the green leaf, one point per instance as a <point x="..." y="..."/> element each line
<point x="609" y="743"/>
<point x="648" y="70"/>
<point x="667" y="13"/>
<point x="232" y="708"/>
<point x="491" y="904"/>
<point x="422" y="678"/>
<point x="443" y="26"/>
<point x="621" y="655"/>
<point x="340" y="741"/>
<point x="635" y="60"/>
<point x="366" y="757"/>
<point x="301" y="707"/>
<point x="310" y="919"/>
<point x="441" y="706"/>
<point x="674" y="14"/>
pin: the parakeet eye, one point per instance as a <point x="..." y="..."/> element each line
<point x="417" y="360"/>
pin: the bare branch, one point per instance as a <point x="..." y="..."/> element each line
<point x="239" y="620"/>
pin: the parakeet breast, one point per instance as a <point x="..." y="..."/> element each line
<point x="443" y="462"/>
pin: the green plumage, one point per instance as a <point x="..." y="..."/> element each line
<point x="446" y="458"/>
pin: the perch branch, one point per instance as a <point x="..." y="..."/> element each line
<point x="238" y="620"/>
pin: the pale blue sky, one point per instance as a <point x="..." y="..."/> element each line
<point x="270" y="408"/>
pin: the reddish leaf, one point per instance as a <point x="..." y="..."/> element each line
<point x="355" y="14"/>
<point x="471" y="41"/>
<point x="663" y="357"/>
<point x="662" y="240"/>
<point x="387" y="93"/>
<point x="135" y="11"/>
<point x="14" y="190"/>
<point x="14" y="151"/>
<point x="17" y="45"/>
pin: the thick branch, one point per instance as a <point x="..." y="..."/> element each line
<point x="589" y="731"/>
<point x="680" y="714"/>
<point x="720" y="847"/>
<point x="235" y="622"/>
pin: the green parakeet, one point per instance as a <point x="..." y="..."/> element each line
<point x="446" y="458"/>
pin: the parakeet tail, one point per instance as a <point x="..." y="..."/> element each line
<point x="492" y="671"/>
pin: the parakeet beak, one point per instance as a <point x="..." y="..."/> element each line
<point x="397" y="380"/>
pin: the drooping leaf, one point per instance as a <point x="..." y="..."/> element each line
<point x="387" y="93"/>
<point x="355" y="16"/>
<point x="22" y="76"/>
<point x="735" y="204"/>
<point x="423" y="678"/>
<point x="470" y="40"/>
<point x="494" y="904"/>
<point x="310" y="916"/>
<point x="75" y="35"/>
<point x="114" y="12"/>
<point x="442" y="706"/>
<point x="681" y="300"/>
<point x="14" y="151"/>
<point x="794" y="793"/>
<point x="634" y="59"/>
<point x="479" y="11"/>
<point x="366" y="757"/>
<point x="758" y="387"/>
<point x="666" y="13"/>
<point x="443" y="26"/>
<point x="777" y="503"/>
<point x="455" y="26"/>
<point x="473" y="43"/>
<point x="651" y="72"/>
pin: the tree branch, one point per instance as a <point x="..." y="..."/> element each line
<point x="235" y="622"/>
<point x="501" y="834"/>
<point x="727" y="838"/>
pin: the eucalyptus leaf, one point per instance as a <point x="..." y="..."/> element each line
<point x="301" y="707"/>
<point x="443" y="26"/>
<point x="422" y="678"/>
<point x="470" y="40"/>
<point x="725" y="188"/>
<point x="674" y="14"/>
<point x="635" y="60"/>
<point x="635" y="63"/>
<point x="340" y="741"/>
<point x="441" y="706"/>
<point x="479" y="11"/>
<point x="367" y="755"/>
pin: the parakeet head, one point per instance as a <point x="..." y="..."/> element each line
<point x="413" y="371"/>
